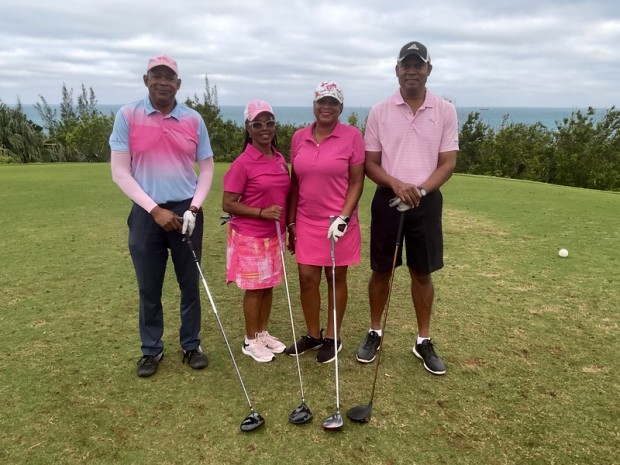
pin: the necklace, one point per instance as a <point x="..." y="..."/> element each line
<point x="319" y="138"/>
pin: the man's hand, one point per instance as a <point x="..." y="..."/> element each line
<point x="338" y="228"/>
<point x="166" y="219"/>
<point x="399" y="204"/>
<point x="189" y="222"/>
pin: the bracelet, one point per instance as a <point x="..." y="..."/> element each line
<point x="289" y="226"/>
<point x="259" y="212"/>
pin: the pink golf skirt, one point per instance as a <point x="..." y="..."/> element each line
<point x="312" y="246"/>
<point x="253" y="262"/>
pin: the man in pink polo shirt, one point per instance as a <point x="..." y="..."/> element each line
<point x="155" y="144"/>
<point x="411" y="146"/>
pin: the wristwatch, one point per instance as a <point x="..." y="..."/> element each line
<point x="422" y="191"/>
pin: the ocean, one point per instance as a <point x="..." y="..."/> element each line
<point x="492" y="116"/>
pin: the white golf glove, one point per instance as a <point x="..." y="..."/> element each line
<point x="338" y="228"/>
<point x="399" y="204"/>
<point x="189" y="222"/>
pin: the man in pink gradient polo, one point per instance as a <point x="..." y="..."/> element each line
<point x="155" y="144"/>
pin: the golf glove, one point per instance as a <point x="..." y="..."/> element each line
<point x="338" y="228"/>
<point x="189" y="222"/>
<point x="399" y="204"/>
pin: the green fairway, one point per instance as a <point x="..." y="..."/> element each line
<point x="530" y="339"/>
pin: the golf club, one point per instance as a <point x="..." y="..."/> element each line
<point x="302" y="413"/>
<point x="335" y="421"/>
<point x="254" y="420"/>
<point x="362" y="413"/>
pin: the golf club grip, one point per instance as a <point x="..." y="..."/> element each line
<point x="187" y="239"/>
<point x="399" y="233"/>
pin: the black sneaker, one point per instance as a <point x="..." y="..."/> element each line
<point x="327" y="352"/>
<point x="367" y="352"/>
<point x="196" y="358"/>
<point x="305" y="344"/>
<point x="426" y="353"/>
<point x="147" y="365"/>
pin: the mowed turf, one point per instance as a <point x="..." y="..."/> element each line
<point x="530" y="339"/>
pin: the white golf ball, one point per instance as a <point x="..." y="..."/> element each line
<point x="563" y="253"/>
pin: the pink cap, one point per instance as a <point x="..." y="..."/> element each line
<point x="162" y="60"/>
<point x="256" y="107"/>
<point x="328" y="89"/>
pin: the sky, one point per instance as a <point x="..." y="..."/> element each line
<point x="485" y="53"/>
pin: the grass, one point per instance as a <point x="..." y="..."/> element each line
<point x="530" y="339"/>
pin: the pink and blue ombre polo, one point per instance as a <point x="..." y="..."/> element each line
<point x="163" y="149"/>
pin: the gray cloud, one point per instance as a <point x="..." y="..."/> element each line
<point x="485" y="53"/>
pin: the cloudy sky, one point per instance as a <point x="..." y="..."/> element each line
<point x="556" y="53"/>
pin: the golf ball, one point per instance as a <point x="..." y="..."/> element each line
<point x="563" y="253"/>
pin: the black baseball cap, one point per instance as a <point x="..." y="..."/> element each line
<point x="415" y="48"/>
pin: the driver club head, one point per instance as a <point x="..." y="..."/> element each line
<point x="333" y="423"/>
<point x="252" y="421"/>
<point x="360" y="413"/>
<point x="300" y="415"/>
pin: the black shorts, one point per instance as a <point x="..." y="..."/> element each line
<point x="422" y="233"/>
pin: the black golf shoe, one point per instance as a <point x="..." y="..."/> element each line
<point x="305" y="344"/>
<point x="327" y="352"/>
<point x="367" y="352"/>
<point x="196" y="358"/>
<point x="147" y="365"/>
<point x="426" y="353"/>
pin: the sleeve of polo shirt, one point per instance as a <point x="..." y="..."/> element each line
<point x="294" y="143"/>
<point x="236" y="178"/>
<point x="119" y="139"/>
<point x="450" y="135"/>
<point x="204" y="150"/>
<point x="359" y="152"/>
<point x="371" y="135"/>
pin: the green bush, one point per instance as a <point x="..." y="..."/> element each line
<point x="20" y="139"/>
<point x="582" y="151"/>
<point x="81" y="133"/>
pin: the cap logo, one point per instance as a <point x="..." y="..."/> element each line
<point x="413" y="47"/>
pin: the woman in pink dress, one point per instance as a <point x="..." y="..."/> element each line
<point x="327" y="179"/>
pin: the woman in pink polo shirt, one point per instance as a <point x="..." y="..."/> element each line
<point x="327" y="180"/>
<point x="255" y="192"/>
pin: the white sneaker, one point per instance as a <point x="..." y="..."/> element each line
<point x="272" y="343"/>
<point x="255" y="349"/>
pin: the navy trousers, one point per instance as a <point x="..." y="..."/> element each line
<point x="148" y="246"/>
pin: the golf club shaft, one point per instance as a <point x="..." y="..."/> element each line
<point x="399" y="234"/>
<point x="217" y="317"/>
<point x="333" y="257"/>
<point x="290" y="309"/>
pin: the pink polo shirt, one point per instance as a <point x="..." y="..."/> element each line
<point x="163" y="148"/>
<point x="411" y="143"/>
<point x="323" y="171"/>
<point x="261" y="182"/>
